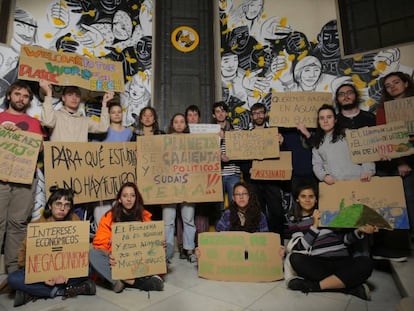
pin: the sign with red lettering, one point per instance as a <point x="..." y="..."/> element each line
<point x="274" y="169"/>
<point x="96" y="74"/>
<point x="56" y="248"/>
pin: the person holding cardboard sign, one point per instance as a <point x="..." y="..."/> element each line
<point x="319" y="259"/>
<point x="59" y="207"/>
<point x="68" y="124"/>
<point x="330" y="156"/>
<point x="129" y="206"/>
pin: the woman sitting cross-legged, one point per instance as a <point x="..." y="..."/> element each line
<point x="129" y="206"/>
<point x="59" y="207"/>
<point x="321" y="258"/>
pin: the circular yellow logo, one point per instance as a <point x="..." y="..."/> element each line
<point x="185" y="38"/>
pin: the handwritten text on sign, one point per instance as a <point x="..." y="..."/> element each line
<point x="401" y="110"/>
<point x="179" y="168"/>
<point x="57" y="248"/>
<point x="240" y="256"/>
<point x="138" y="249"/>
<point x="290" y="108"/>
<point x="249" y="145"/>
<point x="18" y="155"/>
<point x="95" y="171"/>
<point x="96" y="74"/>
<point x="370" y="144"/>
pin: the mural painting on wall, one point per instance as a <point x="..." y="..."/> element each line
<point x="116" y="29"/>
<point x="261" y="53"/>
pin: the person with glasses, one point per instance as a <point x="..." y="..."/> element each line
<point x="59" y="207"/>
<point x="350" y="116"/>
<point x="244" y="213"/>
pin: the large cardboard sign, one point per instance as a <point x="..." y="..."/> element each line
<point x="56" y="248"/>
<point x="138" y="249"/>
<point x="18" y="155"/>
<point x="279" y="169"/>
<point x="290" y="108"/>
<point x="96" y="74"/>
<point x="369" y="144"/>
<point x="250" y="145"/>
<point x="401" y="110"/>
<point x="179" y="168"/>
<point x="198" y="128"/>
<point x="352" y="203"/>
<point x="95" y="171"/>
<point x="240" y="256"/>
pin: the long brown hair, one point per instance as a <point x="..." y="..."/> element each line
<point x="138" y="208"/>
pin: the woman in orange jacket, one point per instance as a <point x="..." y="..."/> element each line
<point x="129" y="206"/>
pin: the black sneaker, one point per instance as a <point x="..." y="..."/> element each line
<point x="21" y="298"/>
<point x="152" y="283"/>
<point x="362" y="291"/>
<point x="303" y="285"/>
<point x="396" y="255"/>
<point x="85" y="288"/>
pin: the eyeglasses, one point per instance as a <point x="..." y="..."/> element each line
<point x="258" y="113"/>
<point x="239" y="195"/>
<point x="59" y="205"/>
<point x="347" y="93"/>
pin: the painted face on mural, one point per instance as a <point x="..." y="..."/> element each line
<point x="330" y="40"/>
<point x="136" y="89"/>
<point x="23" y="32"/>
<point x="229" y="64"/>
<point x="144" y="50"/>
<point x="310" y="75"/>
<point x="240" y="38"/>
<point x="253" y="8"/>
<point x="122" y="25"/>
<point x="107" y="6"/>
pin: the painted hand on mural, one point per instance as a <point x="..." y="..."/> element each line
<point x="387" y="61"/>
<point x="58" y="15"/>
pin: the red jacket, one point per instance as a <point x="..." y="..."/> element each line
<point x="103" y="236"/>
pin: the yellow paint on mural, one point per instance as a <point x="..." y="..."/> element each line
<point x="256" y="93"/>
<point x="48" y="35"/>
<point x="357" y="57"/>
<point x="372" y="82"/>
<point x="369" y="102"/>
<point x="303" y="54"/>
<point x="239" y="110"/>
<point x="283" y="21"/>
<point x="258" y="47"/>
<point x="347" y="71"/>
<point x="359" y="84"/>
<point x="381" y="66"/>
<point x="261" y="61"/>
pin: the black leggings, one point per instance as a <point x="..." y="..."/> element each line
<point x="351" y="271"/>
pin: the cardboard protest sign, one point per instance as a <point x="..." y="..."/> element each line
<point x="56" y="248"/>
<point x="401" y="110"/>
<point x="290" y="108"/>
<point x="179" y="168"/>
<point x="369" y="144"/>
<point x="352" y="203"/>
<point x="138" y="249"/>
<point x="18" y="155"/>
<point x="278" y="169"/>
<point x="96" y="74"/>
<point x="95" y="171"/>
<point x="249" y="145"/>
<point x="240" y="256"/>
<point x="198" y="128"/>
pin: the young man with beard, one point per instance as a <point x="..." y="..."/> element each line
<point x="350" y="116"/>
<point x="16" y="200"/>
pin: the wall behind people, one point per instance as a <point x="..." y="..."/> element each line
<point x="266" y="45"/>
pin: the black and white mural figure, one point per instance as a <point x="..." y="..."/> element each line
<point x="273" y="56"/>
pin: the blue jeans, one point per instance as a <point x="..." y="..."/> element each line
<point x="99" y="262"/>
<point x="187" y="214"/>
<point x="228" y="183"/>
<point x="40" y="289"/>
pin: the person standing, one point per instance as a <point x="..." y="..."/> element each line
<point x="16" y="200"/>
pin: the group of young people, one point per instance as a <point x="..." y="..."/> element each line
<point x="316" y="258"/>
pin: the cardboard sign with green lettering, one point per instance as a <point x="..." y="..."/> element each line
<point x="369" y="144"/>
<point x="257" y="144"/>
<point x="179" y="168"/>
<point x="240" y="256"/>
<point x="96" y="74"/>
<point x="290" y="108"/>
<point x="138" y="249"/>
<point x="95" y="171"/>
<point x="353" y="203"/>
<point x="18" y="155"/>
<point x="401" y="110"/>
<point x="56" y="248"/>
<point x="274" y="169"/>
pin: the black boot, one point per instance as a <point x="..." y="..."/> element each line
<point x="21" y="298"/>
<point x="303" y="285"/>
<point x="85" y="288"/>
